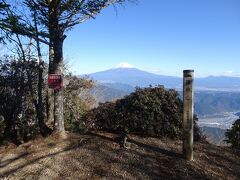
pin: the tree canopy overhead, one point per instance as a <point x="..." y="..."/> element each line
<point x="47" y="21"/>
<point x="65" y="13"/>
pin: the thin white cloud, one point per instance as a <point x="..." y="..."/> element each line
<point x="231" y="73"/>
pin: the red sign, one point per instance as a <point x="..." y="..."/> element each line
<point x="54" y="81"/>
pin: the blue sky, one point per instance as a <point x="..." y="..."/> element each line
<point x="160" y="36"/>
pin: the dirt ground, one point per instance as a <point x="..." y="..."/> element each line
<point x="99" y="156"/>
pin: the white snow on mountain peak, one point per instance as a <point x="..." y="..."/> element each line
<point x="124" y="65"/>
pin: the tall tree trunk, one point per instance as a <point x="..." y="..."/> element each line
<point x="58" y="93"/>
<point x="10" y="131"/>
<point x="50" y="92"/>
<point x="44" y="129"/>
<point x="56" y="66"/>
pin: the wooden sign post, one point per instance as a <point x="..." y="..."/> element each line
<point x="188" y="103"/>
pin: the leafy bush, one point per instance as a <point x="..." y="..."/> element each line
<point x="233" y="134"/>
<point x="18" y="84"/>
<point x="150" y="111"/>
<point x="74" y="105"/>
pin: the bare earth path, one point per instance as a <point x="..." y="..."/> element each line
<point x="98" y="156"/>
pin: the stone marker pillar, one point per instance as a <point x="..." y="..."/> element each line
<point x="188" y="103"/>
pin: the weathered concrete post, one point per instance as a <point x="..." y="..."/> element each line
<point x="188" y="103"/>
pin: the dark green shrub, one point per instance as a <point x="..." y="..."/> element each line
<point x="150" y="111"/>
<point x="233" y="134"/>
<point x="103" y="117"/>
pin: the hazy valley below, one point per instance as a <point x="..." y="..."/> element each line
<point x="221" y="120"/>
<point x="214" y="126"/>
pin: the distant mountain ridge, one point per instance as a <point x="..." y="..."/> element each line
<point x="136" y="77"/>
<point x="214" y="102"/>
<point x="223" y="83"/>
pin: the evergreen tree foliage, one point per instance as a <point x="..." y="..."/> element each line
<point x="233" y="135"/>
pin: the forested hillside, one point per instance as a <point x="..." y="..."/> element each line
<point x="216" y="102"/>
<point x="206" y="102"/>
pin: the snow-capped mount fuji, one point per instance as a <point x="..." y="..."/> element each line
<point x="213" y="94"/>
<point x="127" y="74"/>
<point x="124" y="65"/>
